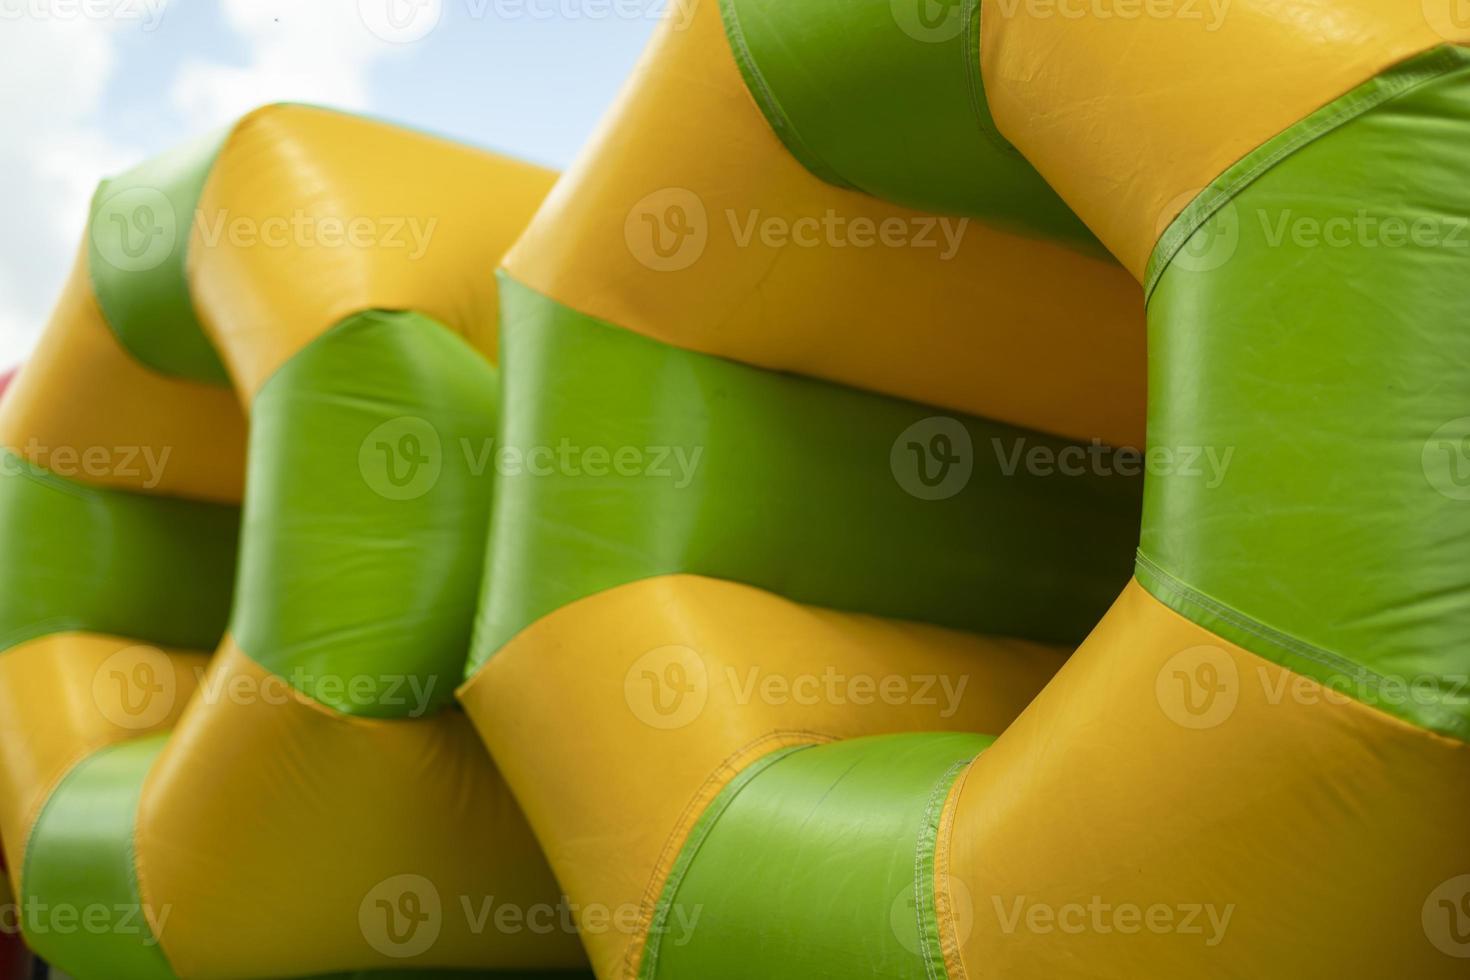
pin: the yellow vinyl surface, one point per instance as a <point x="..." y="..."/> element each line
<point x="309" y="216"/>
<point x="281" y="846"/>
<point x="1130" y="110"/>
<point x="1232" y="811"/>
<point x="986" y="322"/>
<point x="685" y="680"/>
<point x="86" y="409"/>
<point x="67" y="695"/>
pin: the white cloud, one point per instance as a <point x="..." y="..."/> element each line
<point x="57" y="59"/>
<point x="51" y="156"/>
<point x="298" y="50"/>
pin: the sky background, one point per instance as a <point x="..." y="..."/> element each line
<point x="91" y="87"/>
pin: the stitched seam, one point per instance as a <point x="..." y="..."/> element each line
<point x="1278" y="642"/>
<point x="949" y="936"/>
<point x="684" y="847"/>
<point x="765" y="97"/>
<point x="924" y="860"/>
<point x="979" y="104"/>
<point x="1396" y="81"/>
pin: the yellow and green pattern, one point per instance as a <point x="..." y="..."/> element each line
<point x="934" y="491"/>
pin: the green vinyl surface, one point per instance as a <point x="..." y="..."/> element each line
<point x="887" y="98"/>
<point x="826" y="854"/>
<point x="138" y="243"/>
<point x="365" y="515"/>
<point x="80" y="902"/>
<point x="80" y="557"/>
<point x="81" y="909"/>
<point x="1314" y="326"/>
<point x="785" y="483"/>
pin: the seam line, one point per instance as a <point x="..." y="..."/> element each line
<point x="1372" y="94"/>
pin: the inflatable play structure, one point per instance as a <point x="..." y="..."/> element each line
<point x="932" y="492"/>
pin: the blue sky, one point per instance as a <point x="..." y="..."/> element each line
<point x="88" y="87"/>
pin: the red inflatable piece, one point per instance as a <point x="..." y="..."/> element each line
<point x="15" y="963"/>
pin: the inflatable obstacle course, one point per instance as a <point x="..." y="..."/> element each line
<point x="233" y="804"/>
<point x="1163" y="771"/>
<point x="976" y="496"/>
